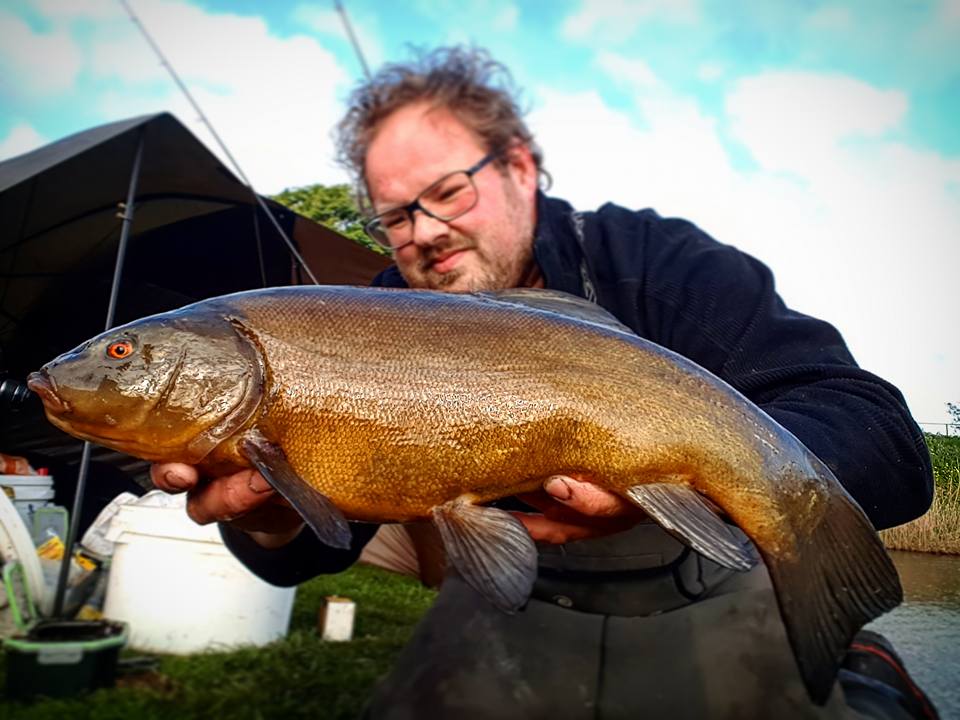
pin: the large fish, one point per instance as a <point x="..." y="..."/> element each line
<point x="390" y="406"/>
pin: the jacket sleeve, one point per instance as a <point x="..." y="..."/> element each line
<point x="301" y="559"/>
<point x="718" y="306"/>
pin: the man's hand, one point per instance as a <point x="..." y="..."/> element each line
<point x="245" y="500"/>
<point x="576" y="510"/>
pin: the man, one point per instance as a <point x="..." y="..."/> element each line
<point x="624" y="620"/>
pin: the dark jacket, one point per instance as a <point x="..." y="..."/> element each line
<point x="673" y="284"/>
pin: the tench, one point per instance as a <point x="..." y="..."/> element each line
<point x="397" y="405"/>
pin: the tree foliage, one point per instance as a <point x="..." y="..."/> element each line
<point x="954" y="412"/>
<point x="330" y="205"/>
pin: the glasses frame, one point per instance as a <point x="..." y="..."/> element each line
<point x="370" y="225"/>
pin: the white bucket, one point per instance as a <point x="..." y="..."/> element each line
<point x="180" y="589"/>
<point x="28" y="492"/>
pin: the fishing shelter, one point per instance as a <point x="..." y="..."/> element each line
<point x="193" y="231"/>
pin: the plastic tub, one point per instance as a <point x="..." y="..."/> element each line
<point x="63" y="658"/>
<point x="28" y="493"/>
<point x="180" y="590"/>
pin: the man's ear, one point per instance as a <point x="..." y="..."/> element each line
<point x="522" y="167"/>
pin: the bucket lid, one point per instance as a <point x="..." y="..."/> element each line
<point x="15" y="480"/>
<point x="157" y="514"/>
<point x="28" y="492"/>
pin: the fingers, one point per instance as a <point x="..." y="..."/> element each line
<point x="573" y="509"/>
<point x="174" y="477"/>
<point x="228" y="497"/>
<point x="587" y="498"/>
<point x="244" y="499"/>
<point x="548" y="530"/>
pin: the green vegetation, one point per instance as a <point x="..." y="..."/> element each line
<point x="939" y="529"/>
<point x="300" y="676"/>
<point x="330" y="205"/>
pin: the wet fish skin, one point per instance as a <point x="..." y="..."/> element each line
<point x="403" y="405"/>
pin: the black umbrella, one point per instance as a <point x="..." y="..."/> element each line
<point x="72" y="245"/>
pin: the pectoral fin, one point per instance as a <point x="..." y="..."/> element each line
<point x="323" y="517"/>
<point x="681" y="510"/>
<point x="491" y="550"/>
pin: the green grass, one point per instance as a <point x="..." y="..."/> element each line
<point x="939" y="529"/>
<point x="300" y="676"/>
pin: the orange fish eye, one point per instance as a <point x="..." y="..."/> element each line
<point x="120" y="349"/>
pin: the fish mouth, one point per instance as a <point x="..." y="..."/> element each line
<point x="44" y="386"/>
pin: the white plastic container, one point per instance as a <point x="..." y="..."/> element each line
<point x="180" y="589"/>
<point x="28" y="492"/>
<point x="16" y="544"/>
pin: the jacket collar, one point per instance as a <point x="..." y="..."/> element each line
<point x="555" y="245"/>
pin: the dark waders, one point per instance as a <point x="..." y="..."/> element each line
<point x="609" y="635"/>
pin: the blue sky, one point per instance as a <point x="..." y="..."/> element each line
<point x="822" y="137"/>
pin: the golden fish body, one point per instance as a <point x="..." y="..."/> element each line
<point x="443" y="395"/>
<point x="398" y="405"/>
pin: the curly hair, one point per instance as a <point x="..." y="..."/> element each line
<point x="468" y="82"/>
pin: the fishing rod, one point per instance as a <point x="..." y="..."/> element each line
<point x="203" y="118"/>
<point x="353" y="38"/>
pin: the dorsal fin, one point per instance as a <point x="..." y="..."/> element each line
<point x="558" y="302"/>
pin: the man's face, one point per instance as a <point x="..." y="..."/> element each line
<point x="490" y="247"/>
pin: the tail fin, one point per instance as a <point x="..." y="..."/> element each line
<point x="841" y="579"/>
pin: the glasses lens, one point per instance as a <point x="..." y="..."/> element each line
<point x="450" y="197"/>
<point x="447" y="199"/>
<point x="391" y="229"/>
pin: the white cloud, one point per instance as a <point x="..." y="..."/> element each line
<point x="22" y="138"/>
<point x="616" y="20"/>
<point x="794" y="121"/>
<point x="629" y="71"/>
<point x="37" y="64"/>
<point x="877" y="226"/>
<point x="863" y="233"/>
<point x="327" y="22"/>
<point x="674" y="157"/>
<point x="67" y="10"/>
<point x="273" y="100"/>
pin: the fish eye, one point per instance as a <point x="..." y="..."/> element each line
<point x="120" y="349"/>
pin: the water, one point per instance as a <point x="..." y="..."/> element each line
<point x="925" y="629"/>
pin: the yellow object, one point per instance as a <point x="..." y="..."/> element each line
<point x="84" y="562"/>
<point x="88" y="613"/>
<point x="51" y="549"/>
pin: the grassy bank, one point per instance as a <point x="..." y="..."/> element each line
<point x="939" y="529"/>
<point x="297" y="677"/>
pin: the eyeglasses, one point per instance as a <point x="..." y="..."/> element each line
<point x="447" y="199"/>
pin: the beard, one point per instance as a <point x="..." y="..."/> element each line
<point x="481" y="271"/>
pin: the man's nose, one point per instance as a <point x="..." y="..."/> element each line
<point x="426" y="229"/>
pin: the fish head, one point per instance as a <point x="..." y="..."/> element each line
<point x="169" y="387"/>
